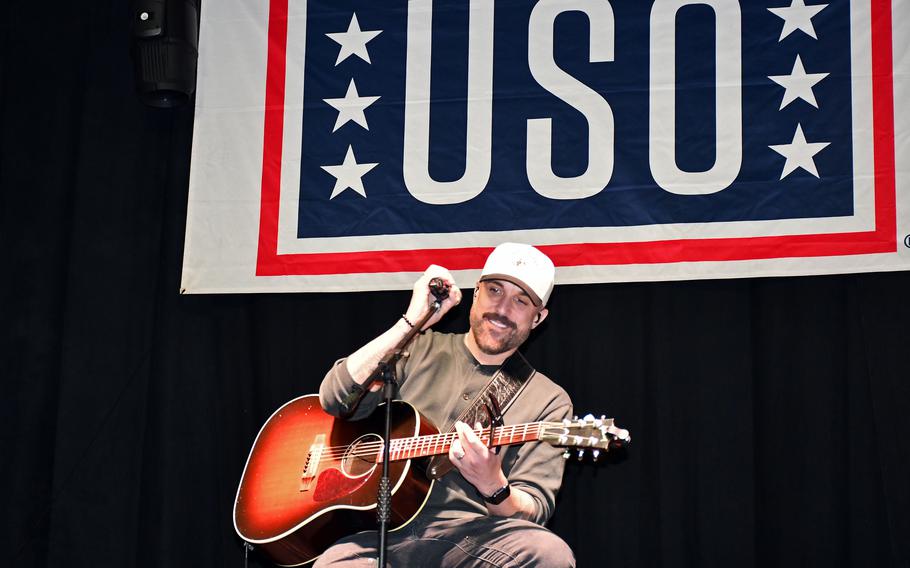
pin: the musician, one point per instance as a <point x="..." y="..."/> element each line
<point x="491" y="509"/>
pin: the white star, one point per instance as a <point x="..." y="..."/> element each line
<point x="348" y="174"/>
<point x="797" y="16"/>
<point x="798" y="84"/>
<point x="351" y="107"/>
<point x="799" y="153"/>
<point x="353" y="41"/>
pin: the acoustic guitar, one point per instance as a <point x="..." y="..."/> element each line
<point x="312" y="479"/>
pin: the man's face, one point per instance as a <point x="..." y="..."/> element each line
<point x="502" y="316"/>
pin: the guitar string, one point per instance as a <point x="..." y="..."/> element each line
<point x="423" y="442"/>
<point x="371" y="449"/>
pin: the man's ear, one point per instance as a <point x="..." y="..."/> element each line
<point x="541" y="315"/>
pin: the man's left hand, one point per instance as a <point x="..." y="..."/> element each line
<point x="480" y="466"/>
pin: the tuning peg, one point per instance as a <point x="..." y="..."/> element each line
<point x="595" y="454"/>
<point x="566" y="454"/>
<point x="581" y="454"/>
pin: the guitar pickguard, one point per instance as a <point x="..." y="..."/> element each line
<point x="357" y="464"/>
<point x="333" y="484"/>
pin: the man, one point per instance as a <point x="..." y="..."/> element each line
<point x="490" y="511"/>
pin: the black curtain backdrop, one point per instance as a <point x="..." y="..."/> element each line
<point x="769" y="416"/>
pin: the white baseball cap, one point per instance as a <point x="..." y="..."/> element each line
<point x="524" y="266"/>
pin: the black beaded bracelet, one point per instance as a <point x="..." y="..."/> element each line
<point x="405" y="318"/>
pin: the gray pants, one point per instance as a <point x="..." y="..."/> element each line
<point x="482" y="542"/>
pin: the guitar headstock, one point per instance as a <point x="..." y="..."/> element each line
<point x="596" y="434"/>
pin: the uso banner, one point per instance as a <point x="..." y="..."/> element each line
<point x="348" y="144"/>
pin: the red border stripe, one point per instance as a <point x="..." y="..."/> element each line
<point x="273" y="130"/>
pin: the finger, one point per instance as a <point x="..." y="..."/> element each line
<point x="436" y="271"/>
<point x="468" y="435"/>
<point x="464" y="433"/>
<point x="456" y="451"/>
<point x="453" y="297"/>
<point x="454" y="294"/>
<point x="480" y="440"/>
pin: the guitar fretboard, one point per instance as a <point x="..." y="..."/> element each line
<point x="435" y="444"/>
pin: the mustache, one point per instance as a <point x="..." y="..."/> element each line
<point x="501" y="319"/>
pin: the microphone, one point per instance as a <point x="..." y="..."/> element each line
<point x="439" y="288"/>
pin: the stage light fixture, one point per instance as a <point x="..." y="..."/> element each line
<point x="165" y="43"/>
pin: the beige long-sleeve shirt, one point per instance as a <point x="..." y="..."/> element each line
<point x="440" y="377"/>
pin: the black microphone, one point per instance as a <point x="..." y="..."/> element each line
<point x="439" y="288"/>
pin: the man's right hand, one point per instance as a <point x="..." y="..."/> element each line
<point x="363" y="362"/>
<point x="422" y="298"/>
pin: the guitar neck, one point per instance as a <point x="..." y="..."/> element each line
<point x="436" y="444"/>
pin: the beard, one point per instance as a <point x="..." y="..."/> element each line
<point x="500" y="340"/>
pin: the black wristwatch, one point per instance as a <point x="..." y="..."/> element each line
<point x="499" y="495"/>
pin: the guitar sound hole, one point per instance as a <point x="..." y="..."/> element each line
<point x="362" y="455"/>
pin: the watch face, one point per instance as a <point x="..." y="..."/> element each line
<point x="499" y="495"/>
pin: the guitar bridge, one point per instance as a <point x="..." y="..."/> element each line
<point x="311" y="467"/>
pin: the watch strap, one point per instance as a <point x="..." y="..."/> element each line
<point x="499" y="495"/>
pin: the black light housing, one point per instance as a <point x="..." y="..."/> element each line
<point x="165" y="51"/>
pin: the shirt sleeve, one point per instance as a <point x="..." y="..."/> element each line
<point x="538" y="468"/>
<point x="339" y="394"/>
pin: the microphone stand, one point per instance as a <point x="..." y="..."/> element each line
<point x="385" y="372"/>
